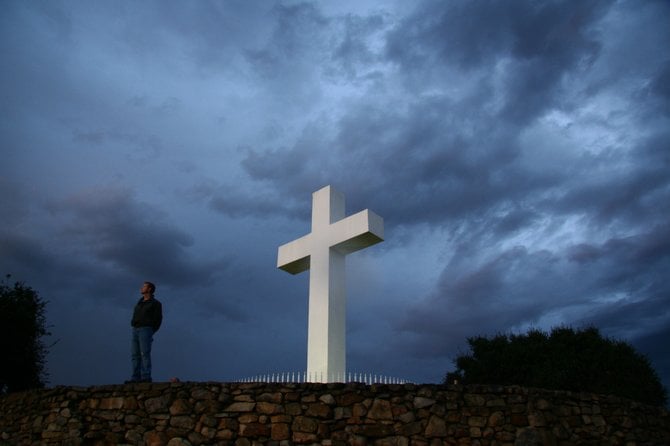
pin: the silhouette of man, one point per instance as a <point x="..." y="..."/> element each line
<point x="146" y="321"/>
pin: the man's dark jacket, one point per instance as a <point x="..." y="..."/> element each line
<point x="148" y="313"/>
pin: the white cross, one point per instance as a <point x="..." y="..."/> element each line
<point x="322" y="252"/>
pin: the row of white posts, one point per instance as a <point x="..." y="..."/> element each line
<point x="304" y="377"/>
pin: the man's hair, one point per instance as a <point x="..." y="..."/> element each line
<point x="152" y="287"/>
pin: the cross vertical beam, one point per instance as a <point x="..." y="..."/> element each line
<point x="323" y="252"/>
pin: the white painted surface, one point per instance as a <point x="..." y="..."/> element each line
<point x="323" y="252"/>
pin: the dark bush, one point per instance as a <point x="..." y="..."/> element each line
<point x="22" y="326"/>
<point x="565" y="359"/>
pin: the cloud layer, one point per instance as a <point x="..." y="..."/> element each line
<point x="517" y="152"/>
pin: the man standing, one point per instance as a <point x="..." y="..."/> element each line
<point x="146" y="321"/>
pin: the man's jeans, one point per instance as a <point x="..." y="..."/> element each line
<point x="141" y="353"/>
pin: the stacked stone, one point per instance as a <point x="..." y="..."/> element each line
<point x="325" y="414"/>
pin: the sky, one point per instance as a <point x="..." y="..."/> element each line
<point x="518" y="152"/>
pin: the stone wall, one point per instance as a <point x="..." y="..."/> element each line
<point x="326" y="414"/>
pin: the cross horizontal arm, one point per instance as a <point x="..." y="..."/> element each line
<point x="358" y="231"/>
<point x="293" y="257"/>
<point x="351" y="234"/>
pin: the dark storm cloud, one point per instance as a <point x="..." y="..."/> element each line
<point x="540" y="40"/>
<point x="440" y="159"/>
<point x="131" y="237"/>
<point x="353" y="55"/>
<point x="210" y="33"/>
<point x="428" y="145"/>
<point x="517" y="151"/>
<point x="139" y="146"/>
<point x="415" y="162"/>
<point x="26" y="253"/>
<point x="633" y="190"/>
<point x="497" y="295"/>
<point x="288" y="63"/>
<point x="659" y="90"/>
<point x="237" y="203"/>
<point x="633" y="264"/>
<point x="297" y="33"/>
<point x="432" y="171"/>
<point x="105" y="239"/>
<point x="620" y="282"/>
